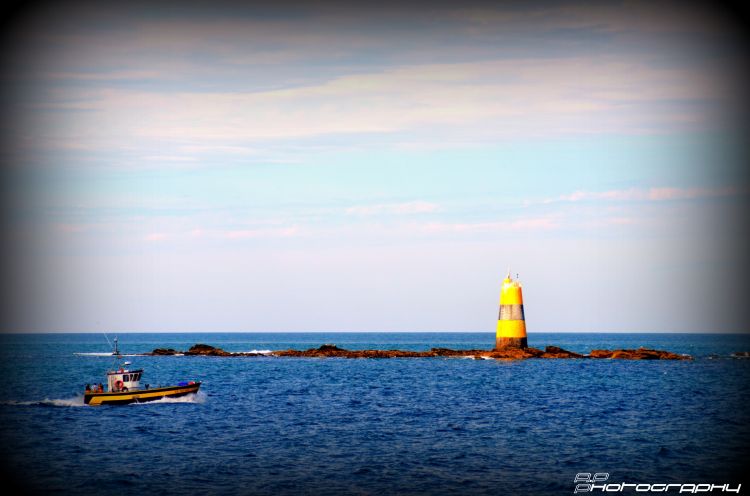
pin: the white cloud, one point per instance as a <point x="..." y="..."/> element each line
<point x="497" y="99"/>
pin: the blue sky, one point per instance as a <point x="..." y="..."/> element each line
<point x="326" y="167"/>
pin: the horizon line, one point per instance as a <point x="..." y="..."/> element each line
<point x="364" y="332"/>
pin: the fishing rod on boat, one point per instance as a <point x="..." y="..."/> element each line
<point x="116" y="364"/>
<point x="107" y="338"/>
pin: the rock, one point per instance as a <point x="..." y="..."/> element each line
<point x="555" y="352"/>
<point x="204" y="349"/>
<point x="329" y="348"/>
<point x="512" y="353"/>
<point x="741" y="354"/>
<point x="639" y="354"/>
<point x="333" y="351"/>
<point x="447" y="352"/>
<point x="163" y="351"/>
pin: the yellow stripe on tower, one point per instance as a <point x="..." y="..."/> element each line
<point x="511" y="323"/>
<point x="511" y="329"/>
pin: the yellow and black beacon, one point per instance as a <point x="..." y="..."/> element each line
<point x="511" y="324"/>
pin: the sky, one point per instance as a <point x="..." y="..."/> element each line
<point x="295" y="166"/>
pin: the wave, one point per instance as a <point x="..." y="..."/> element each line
<point x="105" y="354"/>
<point x="77" y="401"/>
<point x="259" y="352"/>
<point x="199" y="397"/>
<point x="68" y="402"/>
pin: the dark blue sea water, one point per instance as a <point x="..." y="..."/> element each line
<point x="281" y="426"/>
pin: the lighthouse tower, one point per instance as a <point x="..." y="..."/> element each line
<point x="511" y="325"/>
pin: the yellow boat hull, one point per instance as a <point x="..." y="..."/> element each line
<point x="139" y="395"/>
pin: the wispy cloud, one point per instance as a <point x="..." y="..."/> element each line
<point x="237" y="85"/>
<point x="491" y="100"/>
<point x="414" y="207"/>
<point x="156" y="237"/>
<point x="621" y="17"/>
<point x="169" y="158"/>
<point x="650" y="194"/>
<point x="532" y="223"/>
<point x="115" y="75"/>
<point x="275" y="232"/>
<point x="70" y="228"/>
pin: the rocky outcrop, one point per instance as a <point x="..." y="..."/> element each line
<point x="163" y="351"/>
<point x="333" y="351"/>
<point x="206" y="350"/>
<point x="639" y="354"/>
<point x="447" y="352"/>
<point x="555" y="352"/>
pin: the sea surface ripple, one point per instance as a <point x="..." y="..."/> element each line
<point x="281" y="426"/>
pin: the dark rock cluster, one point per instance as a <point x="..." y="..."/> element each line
<point x="206" y="350"/>
<point x="201" y="350"/>
<point x="163" y="351"/>
<point x="333" y="351"/>
<point x="639" y="354"/>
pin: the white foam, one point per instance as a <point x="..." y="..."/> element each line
<point x="74" y="401"/>
<point x="199" y="397"/>
<point x="259" y="352"/>
<point x="103" y="354"/>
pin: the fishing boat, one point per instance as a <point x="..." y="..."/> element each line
<point x="123" y="387"/>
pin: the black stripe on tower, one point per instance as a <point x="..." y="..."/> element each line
<point x="511" y="312"/>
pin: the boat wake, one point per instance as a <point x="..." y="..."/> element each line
<point x="102" y="354"/>
<point x="198" y="397"/>
<point x="68" y="402"/>
<point x="75" y="401"/>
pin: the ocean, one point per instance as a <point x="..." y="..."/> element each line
<point x="278" y="426"/>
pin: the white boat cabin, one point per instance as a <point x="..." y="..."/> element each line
<point x="123" y="380"/>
